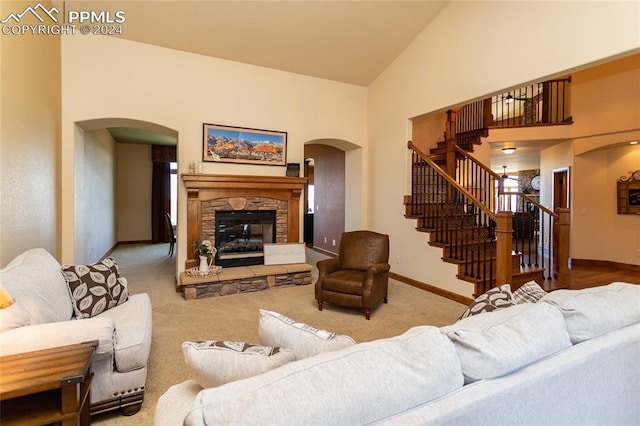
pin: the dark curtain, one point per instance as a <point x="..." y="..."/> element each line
<point x="161" y="192"/>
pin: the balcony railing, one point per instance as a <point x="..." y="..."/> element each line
<point x="538" y="104"/>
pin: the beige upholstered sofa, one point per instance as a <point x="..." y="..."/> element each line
<point x="569" y="358"/>
<point x="43" y="316"/>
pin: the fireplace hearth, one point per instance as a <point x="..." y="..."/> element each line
<point x="240" y="236"/>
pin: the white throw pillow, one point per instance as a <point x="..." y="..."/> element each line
<point x="33" y="278"/>
<point x="360" y="384"/>
<point x="214" y="363"/>
<point x="592" y="312"/>
<point x="493" y="344"/>
<point x="278" y="330"/>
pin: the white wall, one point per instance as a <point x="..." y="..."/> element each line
<point x="182" y="91"/>
<point x="95" y="196"/>
<point x="603" y="234"/>
<point x="457" y="58"/>
<point x="133" y="193"/>
<point x="29" y="136"/>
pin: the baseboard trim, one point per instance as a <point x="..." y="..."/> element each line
<point x="108" y="253"/>
<point x="604" y="263"/>
<point x="137" y="242"/>
<point x="323" y="251"/>
<point x="427" y="287"/>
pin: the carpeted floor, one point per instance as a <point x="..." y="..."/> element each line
<point x="149" y="269"/>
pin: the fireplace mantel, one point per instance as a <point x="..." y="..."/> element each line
<point x="206" y="187"/>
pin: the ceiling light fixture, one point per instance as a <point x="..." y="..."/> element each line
<point x="508" y="150"/>
<point x="634" y="142"/>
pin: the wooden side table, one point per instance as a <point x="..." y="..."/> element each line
<point x="47" y="386"/>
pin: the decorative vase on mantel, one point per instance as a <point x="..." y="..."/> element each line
<point x="204" y="265"/>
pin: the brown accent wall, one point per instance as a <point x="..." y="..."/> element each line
<point x="328" y="177"/>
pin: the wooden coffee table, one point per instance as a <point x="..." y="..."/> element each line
<point x="47" y="386"/>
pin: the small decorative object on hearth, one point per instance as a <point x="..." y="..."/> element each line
<point x="204" y="264"/>
<point x="207" y="253"/>
<point x="203" y="248"/>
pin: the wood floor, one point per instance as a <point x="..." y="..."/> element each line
<point x="593" y="275"/>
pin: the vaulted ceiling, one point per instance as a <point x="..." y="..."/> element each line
<point x="343" y="40"/>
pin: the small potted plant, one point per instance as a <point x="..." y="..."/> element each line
<point x="204" y="249"/>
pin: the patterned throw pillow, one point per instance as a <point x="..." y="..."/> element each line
<point x="214" y="363"/>
<point x="279" y="330"/>
<point x="495" y="298"/>
<point x="530" y="292"/>
<point x="119" y="290"/>
<point x="95" y="288"/>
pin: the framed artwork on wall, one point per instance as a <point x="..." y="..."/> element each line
<point x="628" y="193"/>
<point x="228" y="144"/>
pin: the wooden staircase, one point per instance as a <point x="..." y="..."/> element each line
<point x="472" y="247"/>
<point x="458" y="200"/>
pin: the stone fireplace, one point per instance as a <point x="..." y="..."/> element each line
<point x="241" y="212"/>
<point x="208" y="195"/>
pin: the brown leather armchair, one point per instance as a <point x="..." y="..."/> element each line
<point x="359" y="276"/>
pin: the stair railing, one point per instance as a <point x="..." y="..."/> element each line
<point x="472" y="122"/>
<point x="463" y="225"/>
<point x="536" y="234"/>
<point x="532" y="223"/>
<point x="471" y="216"/>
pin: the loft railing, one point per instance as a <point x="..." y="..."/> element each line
<point x="538" y="104"/>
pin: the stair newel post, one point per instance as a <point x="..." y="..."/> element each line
<point x="450" y="139"/>
<point x="561" y="234"/>
<point x="504" y="230"/>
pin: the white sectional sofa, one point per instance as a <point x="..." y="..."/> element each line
<point x="572" y="357"/>
<point x="43" y="317"/>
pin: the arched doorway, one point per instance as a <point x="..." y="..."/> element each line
<point x="334" y="170"/>
<point x="111" y="184"/>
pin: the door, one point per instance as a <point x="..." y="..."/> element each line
<point x="560" y="188"/>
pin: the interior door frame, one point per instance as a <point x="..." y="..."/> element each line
<point x="561" y="188"/>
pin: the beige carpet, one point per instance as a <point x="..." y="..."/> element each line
<point x="149" y="269"/>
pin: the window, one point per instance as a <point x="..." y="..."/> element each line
<point x="310" y="199"/>
<point x="511" y="185"/>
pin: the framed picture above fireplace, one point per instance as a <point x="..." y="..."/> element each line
<point x="228" y="144"/>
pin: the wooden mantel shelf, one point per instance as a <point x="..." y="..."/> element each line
<point x="206" y="187"/>
<point x="242" y="181"/>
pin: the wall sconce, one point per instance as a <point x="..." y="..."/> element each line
<point x="508" y="150"/>
<point x="509" y="99"/>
